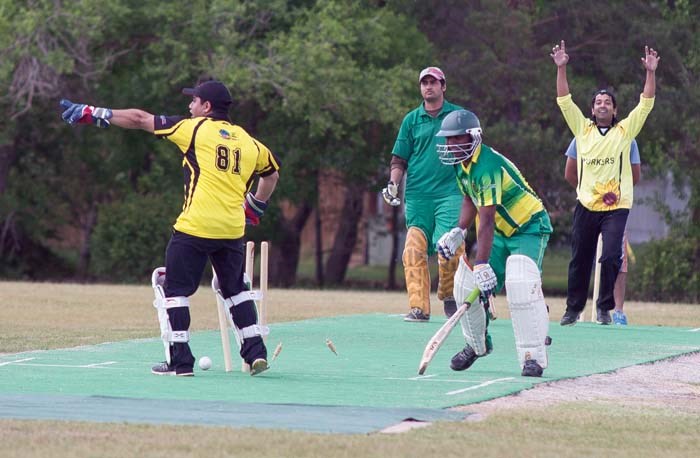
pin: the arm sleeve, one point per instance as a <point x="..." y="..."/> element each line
<point x="572" y="114"/>
<point x="633" y="123"/>
<point x="571" y="150"/>
<point x="634" y="153"/>
<point x="173" y="128"/>
<point x="267" y="163"/>
<point x="404" y="140"/>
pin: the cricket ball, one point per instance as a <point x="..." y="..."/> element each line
<point x="204" y="363"/>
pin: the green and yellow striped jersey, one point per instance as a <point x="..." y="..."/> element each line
<point x="491" y="179"/>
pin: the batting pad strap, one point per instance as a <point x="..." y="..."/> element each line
<point x="243" y="296"/>
<point x="174" y="302"/>
<point x="253" y="330"/>
<point x="179" y="336"/>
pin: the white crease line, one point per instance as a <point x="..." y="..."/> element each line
<point x="16" y="361"/>
<point x="694" y="330"/>
<point x="100" y="364"/>
<point x="421" y="377"/>
<point x="80" y="366"/>
<point x="481" y="385"/>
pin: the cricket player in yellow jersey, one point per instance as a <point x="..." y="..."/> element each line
<point x="220" y="162"/>
<point x="604" y="185"/>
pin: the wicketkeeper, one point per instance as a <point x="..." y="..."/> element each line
<point x="219" y="161"/>
<point x="513" y="229"/>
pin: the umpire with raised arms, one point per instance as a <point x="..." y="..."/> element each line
<point x="220" y="161"/>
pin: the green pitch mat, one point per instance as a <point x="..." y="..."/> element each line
<point x="371" y="383"/>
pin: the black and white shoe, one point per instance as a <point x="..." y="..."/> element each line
<point x="570" y="318"/>
<point x="532" y="369"/>
<point x="167" y="369"/>
<point x="417" y="315"/>
<point x="258" y="366"/>
<point x="603" y="317"/>
<point x="464" y="359"/>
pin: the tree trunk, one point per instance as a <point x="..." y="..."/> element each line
<point x="346" y="236"/>
<point x="285" y="251"/>
<point x="87" y="228"/>
<point x="318" y="229"/>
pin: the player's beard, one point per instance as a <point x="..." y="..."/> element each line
<point x="433" y="98"/>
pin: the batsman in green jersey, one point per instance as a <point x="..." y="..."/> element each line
<point x="513" y="229"/>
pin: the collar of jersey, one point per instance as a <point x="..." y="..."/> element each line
<point x="475" y="158"/>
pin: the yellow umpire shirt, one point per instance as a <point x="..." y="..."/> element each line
<point x="220" y="161"/>
<point x="603" y="159"/>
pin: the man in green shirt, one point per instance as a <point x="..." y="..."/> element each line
<point x="512" y="228"/>
<point x="431" y="195"/>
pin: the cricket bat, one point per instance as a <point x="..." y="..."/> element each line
<point x="437" y="340"/>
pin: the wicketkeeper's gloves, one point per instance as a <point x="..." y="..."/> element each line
<point x="254" y="209"/>
<point x="391" y="194"/>
<point x="78" y="113"/>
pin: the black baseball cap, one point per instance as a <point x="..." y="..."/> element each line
<point x="214" y="92"/>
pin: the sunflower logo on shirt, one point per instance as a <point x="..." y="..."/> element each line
<point x="606" y="196"/>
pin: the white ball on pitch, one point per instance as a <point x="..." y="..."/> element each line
<point x="204" y="363"/>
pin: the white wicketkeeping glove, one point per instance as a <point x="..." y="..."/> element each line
<point x="485" y="279"/>
<point x="450" y="242"/>
<point x="391" y="194"/>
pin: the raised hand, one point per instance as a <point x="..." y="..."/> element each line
<point x="651" y="59"/>
<point x="85" y="114"/>
<point x="559" y="55"/>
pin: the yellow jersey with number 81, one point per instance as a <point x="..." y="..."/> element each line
<point x="219" y="161"/>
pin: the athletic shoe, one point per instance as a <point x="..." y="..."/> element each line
<point x="532" y="369"/>
<point x="570" y="318"/>
<point x="604" y="317"/>
<point x="167" y="369"/>
<point x="619" y="318"/>
<point x="464" y="359"/>
<point x="417" y="315"/>
<point x="258" y="366"/>
<point x="450" y="306"/>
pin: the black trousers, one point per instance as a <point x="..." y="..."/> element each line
<point x="584" y="238"/>
<point x="185" y="259"/>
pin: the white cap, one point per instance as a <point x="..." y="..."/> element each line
<point x="432" y="71"/>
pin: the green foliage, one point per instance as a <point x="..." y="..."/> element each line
<point x="666" y="271"/>
<point x="131" y="236"/>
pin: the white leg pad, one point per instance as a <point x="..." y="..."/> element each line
<point x="473" y="322"/>
<point x="243" y="296"/>
<point x="162" y="304"/>
<point x="253" y="330"/>
<point x="528" y="310"/>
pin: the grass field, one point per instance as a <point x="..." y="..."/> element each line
<point x="49" y="316"/>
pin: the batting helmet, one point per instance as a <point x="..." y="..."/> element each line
<point x="460" y="122"/>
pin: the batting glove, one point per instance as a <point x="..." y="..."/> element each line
<point x="450" y="242"/>
<point x="254" y="209"/>
<point x="485" y="279"/>
<point x="77" y="113"/>
<point x="391" y="194"/>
